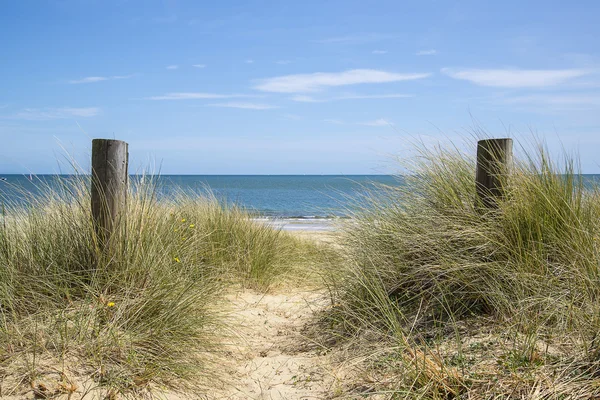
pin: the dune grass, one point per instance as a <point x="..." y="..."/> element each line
<point x="141" y="315"/>
<point x="455" y="301"/>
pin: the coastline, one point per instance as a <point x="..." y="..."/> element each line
<point x="300" y="224"/>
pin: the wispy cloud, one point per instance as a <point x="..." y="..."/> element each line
<point x="378" y="122"/>
<point x="516" y="78"/>
<point x="317" y="81"/>
<point x="199" y="65"/>
<point x="557" y="101"/>
<point x="43" y="114"/>
<point x="283" y="62"/>
<point x="195" y="96"/>
<point x="172" y="67"/>
<point x="249" y="61"/>
<point x="89" y="79"/>
<point x="306" y="99"/>
<point x="379" y="51"/>
<point x="95" y="79"/>
<point x="357" y="38"/>
<point x="311" y="99"/>
<point x="246" y="106"/>
<point x="430" y="52"/>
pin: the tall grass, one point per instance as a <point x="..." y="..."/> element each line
<point x="138" y="315"/>
<point x="472" y="302"/>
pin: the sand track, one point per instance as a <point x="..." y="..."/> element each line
<point x="270" y="358"/>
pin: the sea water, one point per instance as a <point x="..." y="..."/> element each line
<point x="304" y="202"/>
<point x="289" y="201"/>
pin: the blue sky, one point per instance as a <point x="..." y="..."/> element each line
<point x="291" y="87"/>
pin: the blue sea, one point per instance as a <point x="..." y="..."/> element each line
<point x="291" y="202"/>
<point x="270" y="196"/>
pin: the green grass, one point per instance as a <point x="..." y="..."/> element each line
<point x="451" y="300"/>
<point x="139" y="315"/>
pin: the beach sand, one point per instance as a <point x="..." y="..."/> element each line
<point x="271" y="356"/>
<point x="301" y="224"/>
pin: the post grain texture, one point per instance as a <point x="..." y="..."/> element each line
<point x="494" y="160"/>
<point x="110" y="160"/>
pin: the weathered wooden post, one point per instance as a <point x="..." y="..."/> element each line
<point x="494" y="160"/>
<point x="110" y="160"/>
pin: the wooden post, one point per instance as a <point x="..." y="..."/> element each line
<point x="110" y="160"/>
<point x="494" y="159"/>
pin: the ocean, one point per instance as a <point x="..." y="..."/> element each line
<point x="290" y="202"/>
<point x="266" y="196"/>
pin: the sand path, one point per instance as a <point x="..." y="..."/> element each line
<point x="270" y="357"/>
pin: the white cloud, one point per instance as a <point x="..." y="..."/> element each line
<point x="283" y="62"/>
<point x="199" y="65"/>
<point x="516" y="78"/>
<point x="557" y="100"/>
<point x="172" y="67"/>
<point x="314" y="82"/>
<point x="249" y="61"/>
<point x="246" y="106"/>
<point x="89" y="79"/>
<point x="430" y="52"/>
<point x="41" y="114"/>
<point x="306" y="99"/>
<point x="195" y="96"/>
<point x="310" y="99"/>
<point x="379" y="51"/>
<point x="378" y="122"/>
<point x="94" y="79"/>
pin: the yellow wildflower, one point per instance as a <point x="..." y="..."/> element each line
<point x="177" y="259"/>
<point x="192" y="225"/>
<point x="110" y="304"/>
<point x="183" y="219"/>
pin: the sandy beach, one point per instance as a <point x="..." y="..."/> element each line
<point x="301" y="224"/>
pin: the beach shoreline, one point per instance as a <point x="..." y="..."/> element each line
<point x="301" y="224"/>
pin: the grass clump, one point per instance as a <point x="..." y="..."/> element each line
<point x="75" y="316"/>
<point x="245" y="251"/>
<point x="468" y="301"/>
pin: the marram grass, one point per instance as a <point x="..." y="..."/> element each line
<point x="140" y="315"/>
<point x="463" y="302"/>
